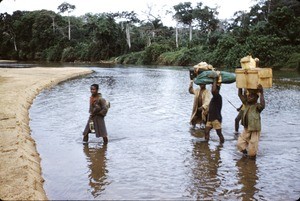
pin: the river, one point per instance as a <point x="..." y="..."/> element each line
<point x="152" y="151"/>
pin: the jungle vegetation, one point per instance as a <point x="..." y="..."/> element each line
<point x="269" y="31"/>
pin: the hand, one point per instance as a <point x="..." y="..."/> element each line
<point x="259" y="88"/>
<point x="199" y="109"/>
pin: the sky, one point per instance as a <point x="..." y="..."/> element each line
<point x="226" y="7"/>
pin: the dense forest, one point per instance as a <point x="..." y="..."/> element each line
<point x="269" y="31"/>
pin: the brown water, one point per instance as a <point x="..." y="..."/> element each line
<point x="152" y="152"/>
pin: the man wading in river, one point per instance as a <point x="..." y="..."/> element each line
<point x="200" y="107"/>
<point x="214" y="119"/>
<point x="251" y="121"/>
<point x="98" y="110"/>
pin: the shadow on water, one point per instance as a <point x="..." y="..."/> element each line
<point x="152" y="151"/>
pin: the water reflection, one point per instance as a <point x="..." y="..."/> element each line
<point x="158" y="156"/>
<point x="205" y="179"/>
<point x="96" y="159"/>
<point x="247" y="176"/>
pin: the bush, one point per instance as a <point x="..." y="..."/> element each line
<point x="53" y="53"/>
<point x="132" y="58"/>
<point x="82" y="51"/>
<point x="68" y="55"/>
<point x="294" y="61"/>
<point x="152" y="53"/>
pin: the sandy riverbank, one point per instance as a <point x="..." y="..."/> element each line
<point x="20" y="170"/>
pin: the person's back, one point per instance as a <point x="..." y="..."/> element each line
<point x="214" y="119"/>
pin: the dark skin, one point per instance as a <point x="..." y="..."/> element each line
<point x="94" y="92"/>
<point x="251" y="99"/>
<point x="214" y="91"/>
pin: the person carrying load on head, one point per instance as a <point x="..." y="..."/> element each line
<point x="214" y="117"/>
<point x="248" y="141"/>
<point x="200" y="106"/>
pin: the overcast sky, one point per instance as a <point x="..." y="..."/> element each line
<point x="226" y="7"/>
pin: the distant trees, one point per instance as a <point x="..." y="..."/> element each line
<point x="269" y="31"/>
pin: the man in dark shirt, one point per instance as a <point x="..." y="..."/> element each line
<point x="214" y="119"/>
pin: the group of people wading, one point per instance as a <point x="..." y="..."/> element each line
<point x="207" y="113"/>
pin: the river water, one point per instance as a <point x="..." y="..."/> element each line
<point x="152" y="151"/>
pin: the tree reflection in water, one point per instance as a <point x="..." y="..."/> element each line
<point x="96" y="160"/>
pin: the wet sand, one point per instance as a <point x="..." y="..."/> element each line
<point x="20" y="170"/>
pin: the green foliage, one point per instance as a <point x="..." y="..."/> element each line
<point x="53" y="53"/>
<point x="268" y="31"/>
<point x="131" y="58"/>
<point x="68" y="55"/>
<point x="169" y="58"/>
<point x="152" y="52"/>
<point x="294" y="61"/>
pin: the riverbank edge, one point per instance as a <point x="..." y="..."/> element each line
<point x="20" y="169"/>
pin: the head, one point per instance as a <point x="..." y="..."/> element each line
<point x="218" y="87"/>
<point x="202" y="86"/>
<point x="94" y="89"/>
<point x="252" y="96"/>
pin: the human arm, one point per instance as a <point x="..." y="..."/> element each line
<point x="238" y="109"/>
<point x="214" y="86"/>
<point x="191" y="89"/>
<point x="261" y="96"/>
<point x="100" y="107"/>
<point x="242" y="95"/>
<point x="205" y="99"/>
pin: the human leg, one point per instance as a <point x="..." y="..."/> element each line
<point x="243" y="140"/>
<point x="221" y="137"/>
<point x="253" y="144"/>
<point x="237" y="122"/>
<point x="85" y="137"/>
<point x="208" y="127"/>
<point x="105" y="140"/>
<point x="86" y="132"/>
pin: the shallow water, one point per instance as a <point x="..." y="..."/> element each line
<point x="152" y="152"/>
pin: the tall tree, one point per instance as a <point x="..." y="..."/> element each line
<point x="154" y="22"/>
<point x="69" y="8"/>
<point x="128" y="18"/>
<point x="206" y="18"/>
<point x="184" y="15"/>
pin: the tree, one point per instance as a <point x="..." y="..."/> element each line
<point x="128" y="18"/>
<point x="206" y="18"/>
<point x="184" y="15"/>
<point x="153" y="24"/>
<point x="69" y="8"/>
<point x="9" y="29"/>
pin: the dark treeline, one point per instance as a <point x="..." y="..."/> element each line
<point x="269" y="31"/>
